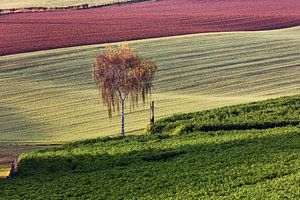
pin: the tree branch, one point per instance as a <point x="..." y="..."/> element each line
<point x="120" y="94"/>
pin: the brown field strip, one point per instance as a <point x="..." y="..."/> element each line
<point x="27" y="32"/>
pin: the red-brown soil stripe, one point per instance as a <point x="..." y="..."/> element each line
<point x="26" y="32"/>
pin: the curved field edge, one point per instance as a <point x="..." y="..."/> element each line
<point x="37" y="6"/>
<point x="9" y="152"/>
<point x="248" y="164"/>
<point x="28" y="32"/>
<point x="50" y="96"/>
<point x="267" y="114"/>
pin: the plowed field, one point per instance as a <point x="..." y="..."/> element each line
<point x="39" y="31"/>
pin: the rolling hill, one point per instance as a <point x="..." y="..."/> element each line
<point x="249" y="162"/>
<point x="50" y="96"/>
<point x="27" y="32"/>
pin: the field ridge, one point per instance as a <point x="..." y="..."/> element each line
<point x="194" y="164"/>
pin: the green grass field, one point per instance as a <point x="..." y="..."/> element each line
<point x="255" y="162"/>
<point x="4" y="4"/>
<point x="49" y="95"/>
<point x="261" y="115"/>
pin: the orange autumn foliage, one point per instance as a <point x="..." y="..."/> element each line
<point x="120" y="72"/>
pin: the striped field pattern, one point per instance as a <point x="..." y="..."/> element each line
<point x="29" y="32"/>
<point x="50" y="96"/>
<point x="52" y="3"/>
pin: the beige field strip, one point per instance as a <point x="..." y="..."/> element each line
<point x="4" y="4"/>
<point x="4" y="171"/>
<point x="50" y="96"/>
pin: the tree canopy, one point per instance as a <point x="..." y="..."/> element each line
<point x="120" y="72"/>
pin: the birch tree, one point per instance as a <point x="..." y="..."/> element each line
<point x="120" y="73"/>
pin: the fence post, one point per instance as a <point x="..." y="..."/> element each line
<point x="16" y="164"/>
<point x="13" y="169"/>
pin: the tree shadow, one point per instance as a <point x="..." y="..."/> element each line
<point x="205" y="170"/>
<point x="249" y="151"/>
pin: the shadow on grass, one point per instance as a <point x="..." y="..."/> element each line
<point x="185" y="172"/>
<point x="226" y="154"/>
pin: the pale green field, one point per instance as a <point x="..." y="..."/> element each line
<point x="7" y="4"/>
<point x="50" y="96"/>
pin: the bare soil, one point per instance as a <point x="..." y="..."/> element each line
<point x="27" y="32"/>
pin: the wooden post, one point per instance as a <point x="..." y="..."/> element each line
<point x="152" y="114"/>
<point x="12" y="170"/>
<point x="15" y="165"/>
